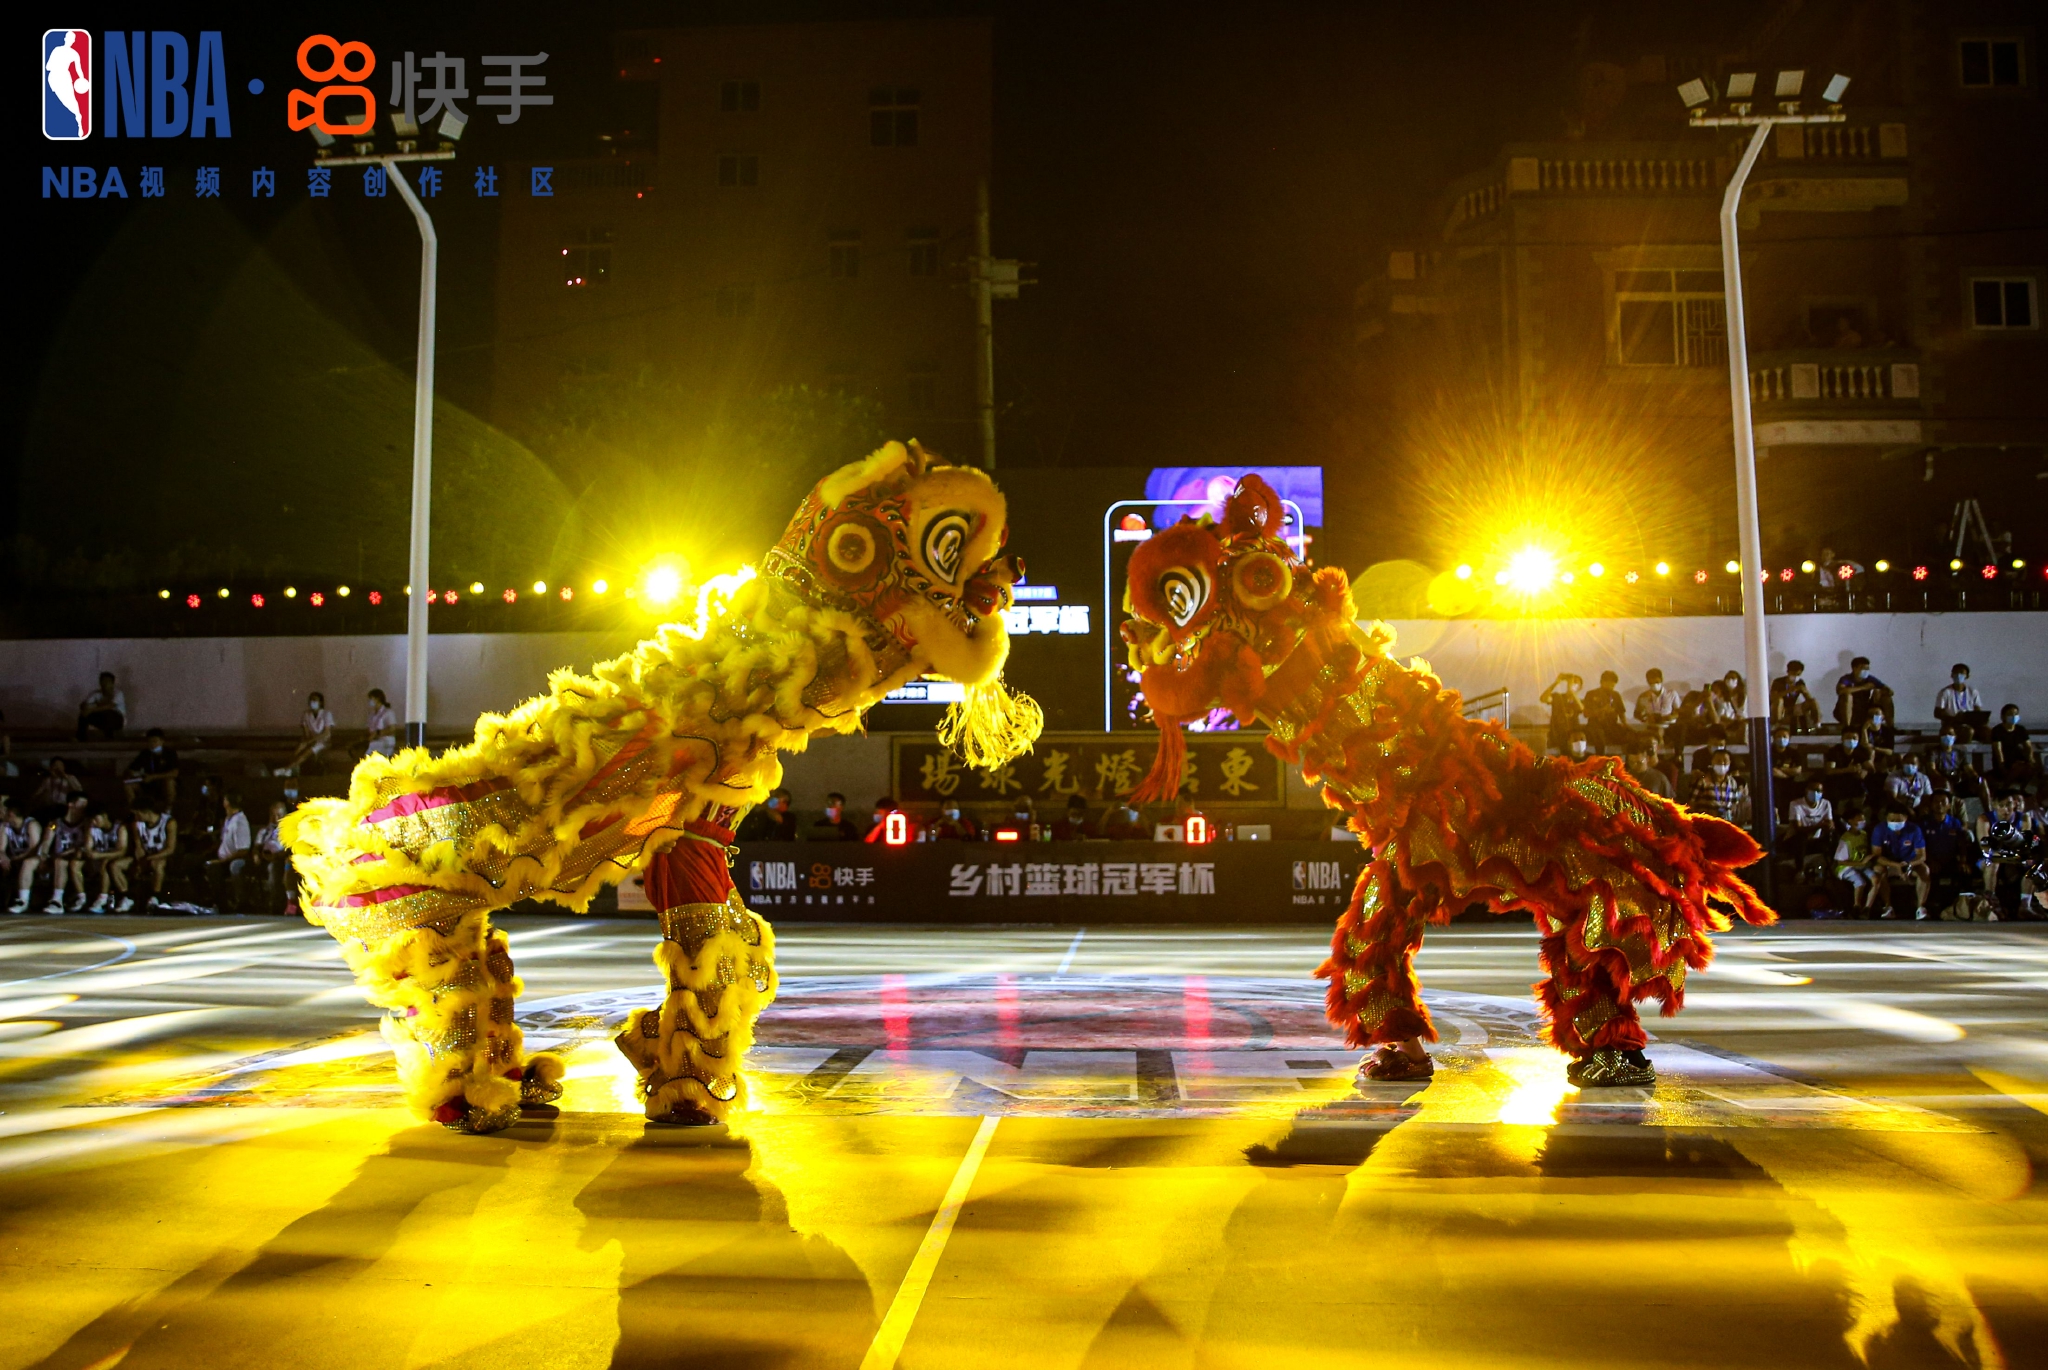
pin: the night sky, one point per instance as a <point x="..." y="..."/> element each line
<point x="1201" y="188"/>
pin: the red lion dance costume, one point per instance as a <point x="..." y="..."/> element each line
<point x="1624" y="885"/>
<point x="892" y="568"/>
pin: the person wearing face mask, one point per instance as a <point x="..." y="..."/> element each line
<point x="1879" y="733"/>
<point x="1606" y="715"/>
<point x="1020" y="826"/>
<point x="1948" y="766"/>
<point x="1567" y="714"/>
<point x="770" y="822"/>
<point x="953" y="826"/>
<point x="2012" y="749"/>
<point x="316" y="734"/>
<point x="1792" y="701"/>
<point x="1125" y="824"/>
<point x="1810" y="834"/>
<point x="1959" y="706"/>
<point x="1952" y="854"/>
<point x="1854" y="861"/>
<point x="1846" y="768"/>
<point x="1858" y="693"/>
<point x="1788" y="763"/>
<point x="1719" y="791"/>
<point x="833" y="825"/>
<point x="1900" y="853"/>
<point x="1657" y="706"/>
<point x="1577" y="746"/>
<point x="1908" y="784"/>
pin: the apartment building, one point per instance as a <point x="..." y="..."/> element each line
<point x="1893" y="264"/>
<point x="800" y="215"/>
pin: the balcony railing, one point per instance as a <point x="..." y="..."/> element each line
<point x="1884" y="142"/>
<point x="1623" y="175"/>
<point x="1835" y="379"/>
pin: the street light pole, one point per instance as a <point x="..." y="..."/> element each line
<point x="1756" y="654"/>
<point x="1697" y="94"/>
<point x="422" y="471"/>
<point x="450" y="127"/>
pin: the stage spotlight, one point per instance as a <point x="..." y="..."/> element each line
<point x="476" y="587"/>
<point x="540" y="587"/>
<point x="1790" y="83"/>
<point x="1464" y="572"/>
<point x="1883" y="565"/>
<point x="1741" y="85"/>
<point x="1955" y="564"/>
<point x="1695" y="93"/>
<point x="1663" y="568"/>
<point x="1733" y="568"/>
<point x="598" y="587"/>
<point x="1837" y="86"/>
<point x="1531" y="570"/>
<point x="664" y="583"/>
<point x="1806" y="566"/>
<point x="163" y="594"/>
<point x="1596" y="570"/>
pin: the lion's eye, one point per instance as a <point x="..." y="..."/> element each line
<point x="1185" y="591"/>
<point x="945" y="543"/>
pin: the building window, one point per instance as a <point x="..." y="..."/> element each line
<point x="921" y="387"/>
<point x="924" y="251"/>
<point x="2003" y="302"/>
<point x="586" y="258"/>
<point x="1990" y="62"/>
<point x="735" y="302"/>
<point x="738" y="169"/>
<point x="739" y="97"/>
<point x="1670" y="318"/>
<point x="892" y="116"/>
<point x="844" y="251"/>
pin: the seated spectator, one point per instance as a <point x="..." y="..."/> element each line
<point x="273" y="862"/>
<point x="316" y="734"/>
<point x="1075" y="825"/>
<point x="1719" y="791"/>
<point x="1878" y="732"/>
<point x="1959" y="707"/>
<point x="953" y="826"/>
<point x="1724" y="714"/>
<point x="21" y="843"/>
<point x="769" y="822"/>
<point x="1020" y="826"/>
<point x="2012" y="750"/>
<point x="1641" y="762"/>
<point x="65" y="840"/>
<point x="1577" y="745"/>
<point x="1857" y="693"/>
<point x="1125" y="824"/>
<point x="1737" y="690"/>
<point x="1694" y="724"/>
<point x="878" y="831"/>
<point x="1606" y="715"/>
<point x="106" y="860"/>
<point x="833" y="825"/>
<point x="1567" y="714"/>
<point x="1185" y="811"/>
<point x="1811" y="832"/>
<point x="1788" y="763"/>
<point x="1846" y="768"/>
<point x="156" y="842"/>
<point x="1951" y="853"/>
<point x="1657" y="705"/>
<point x="104" y="711"/>
<point x="1855" y="859"/>
<point x="155" y="770"/>
<point x="1948" y="766"/>
<point x="383" y="727"/>
<point x="1907" y="784"/>
<point x="1900" y="854"/>
<point x="2003" y="836"/>
<point x="7" y="766"/>
<point x="57" y="788"/>
<point x="231" y="856"/>
<point x="1792" y="701"/>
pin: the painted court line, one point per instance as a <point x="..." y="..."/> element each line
<point x="895" y="1328"/>
<point x="1072" y="948"/>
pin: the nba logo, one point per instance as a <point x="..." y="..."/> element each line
<point x="67" y="85"/>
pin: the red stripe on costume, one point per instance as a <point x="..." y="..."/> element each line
<point x="407" y="804"/>
<point x="691" y="871"/>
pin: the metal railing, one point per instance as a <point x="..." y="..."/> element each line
<point x="1832" y="378"/>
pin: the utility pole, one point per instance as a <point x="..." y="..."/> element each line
<point x="1740" y="91"/>
<point x="991" y="279"/>
<point x="407" y="132"/>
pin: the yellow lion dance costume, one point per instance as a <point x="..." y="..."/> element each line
<point x="892" y="568"/>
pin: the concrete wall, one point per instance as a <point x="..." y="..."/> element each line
<point x="225" y="684"/>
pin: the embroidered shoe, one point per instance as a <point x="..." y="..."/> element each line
<point x="1611" y="1067"/>
<point x="1392" y="1063"/>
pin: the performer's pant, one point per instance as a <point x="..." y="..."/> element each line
<point x="718" y="959"/>
<point x="1587" y="999"/>
<point x="447" y="989"/>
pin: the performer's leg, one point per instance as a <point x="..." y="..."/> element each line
<point x="719" y="962"/>
<point x="1374" y="995"/>
<point x="447" y="989"/>
<point x="1590" y="1014"/>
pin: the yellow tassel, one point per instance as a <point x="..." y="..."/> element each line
<point x="992" y="726"/>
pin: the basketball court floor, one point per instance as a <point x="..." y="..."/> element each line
<point x="1032" y="1147"/>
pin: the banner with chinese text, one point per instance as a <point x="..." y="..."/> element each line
<point x="1232" y="769"/>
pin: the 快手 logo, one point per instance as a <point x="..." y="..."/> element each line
<point x="67" y="84"/>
